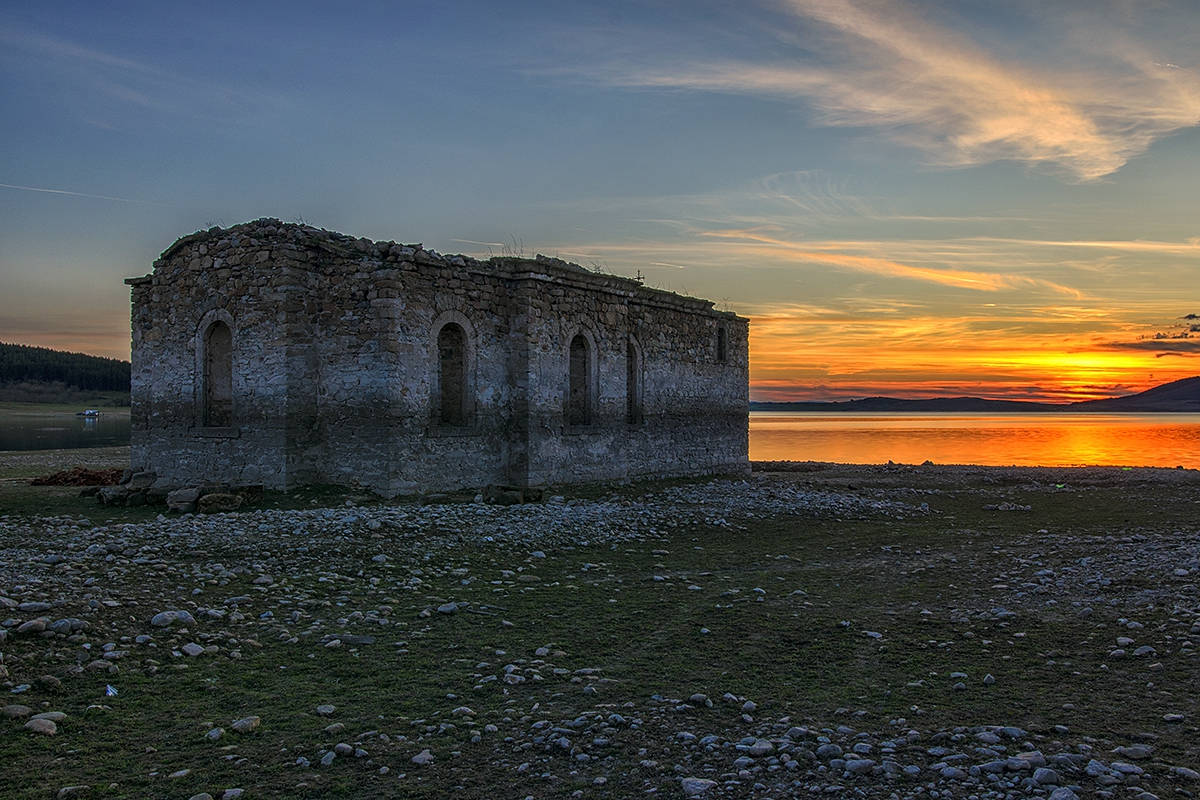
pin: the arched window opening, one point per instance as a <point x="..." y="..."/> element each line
<point x="218" y="376"/>
<point x="633" y="388"/>
<point x="452" y="376"/>
<point x="579" y="400"/>
<point x="721" y="345"/>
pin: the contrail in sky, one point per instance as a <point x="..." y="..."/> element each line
<point x="77" y="194"/>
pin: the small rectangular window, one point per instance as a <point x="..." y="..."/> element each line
<point x="579" y="397"/>
<point x="633" y="389"/>
<point x="218" y="376"/>
<point x="452" y="375"/>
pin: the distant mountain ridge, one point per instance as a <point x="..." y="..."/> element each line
<point x="1179" y="397"/>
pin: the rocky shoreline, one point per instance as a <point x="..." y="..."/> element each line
<point x="92" y="605"/>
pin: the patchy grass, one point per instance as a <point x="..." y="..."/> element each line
<point x="17" y="464"/>
<point x="663" y="618"/>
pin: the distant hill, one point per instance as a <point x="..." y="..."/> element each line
<point x="896" y="405"/>
<point x="1182" y="396"/>
<point x="22" y="364"/>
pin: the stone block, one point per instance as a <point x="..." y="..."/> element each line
<point x="183" y="500"/>
<point x="219" y="502"/>
<point x="140" y="481"/>
<point x="112" y="495"/>
<point x="157" y="496"/>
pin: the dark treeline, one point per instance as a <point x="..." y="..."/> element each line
<point x="22" y="363"/>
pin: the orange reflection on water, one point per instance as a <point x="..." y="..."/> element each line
<point x="1159" y="440"/>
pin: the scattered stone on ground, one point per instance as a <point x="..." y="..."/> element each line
<point x="181" y="592"/>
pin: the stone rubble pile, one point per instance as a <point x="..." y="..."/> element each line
<point x="146" y="489"/>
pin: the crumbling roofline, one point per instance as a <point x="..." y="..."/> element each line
<point x="539" y="268"/>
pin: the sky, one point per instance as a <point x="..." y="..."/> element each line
<point x="912" y="198"/>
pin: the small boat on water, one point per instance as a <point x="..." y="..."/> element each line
<point x="91" y="412"/>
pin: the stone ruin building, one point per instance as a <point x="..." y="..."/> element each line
<point x="278" y="354"/>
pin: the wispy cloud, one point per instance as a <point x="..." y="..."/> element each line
<point x="818" y="230"/>
<point x="965" y="279"/>
<point x="485" y="244"/>
<point x="75" y="194"/>
<point x="1181" y="338"/>
<point x="132" y="83"/>
<point x="883" y="66"/>
<point x="1160" y="347"/>
<point x="818" y="194"/>
<point x="1188" y="247"/>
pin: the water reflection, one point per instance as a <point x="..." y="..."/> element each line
<point x="1162" y="440"/>
<point x="26" y="430"/>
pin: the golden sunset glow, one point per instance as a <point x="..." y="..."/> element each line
<point x="940" y="357"/>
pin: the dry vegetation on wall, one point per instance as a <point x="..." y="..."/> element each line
<point x="875" y="632"/>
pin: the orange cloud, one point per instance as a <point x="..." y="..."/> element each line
<point x="966" y="279"/>
<point x="941" y="92"/>
<point x="1189" y="247"/>
<point x="810" y="353"/>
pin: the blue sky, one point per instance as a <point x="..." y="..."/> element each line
<point x="907" y="198"/>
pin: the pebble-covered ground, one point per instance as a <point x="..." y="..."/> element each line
<point x="844" y="631"/>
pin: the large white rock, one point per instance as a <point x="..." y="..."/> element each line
<point x="694" y="787"/>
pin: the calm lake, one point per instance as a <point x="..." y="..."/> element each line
<point x="24" y="430"/>
<point x="1132" y="440"/>
<point x="1135" y="440"/>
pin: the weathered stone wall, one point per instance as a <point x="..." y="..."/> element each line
<point x="335" y="368"/>
<point x="693" y="409"/>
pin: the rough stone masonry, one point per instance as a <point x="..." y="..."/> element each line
<point x="279" y="354"/>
